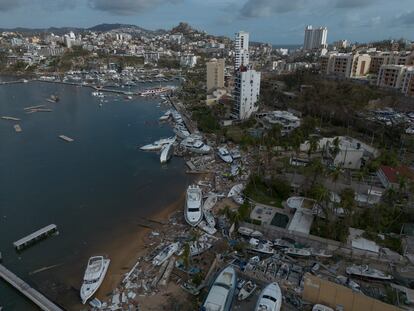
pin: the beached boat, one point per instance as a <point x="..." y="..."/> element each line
<point x="165" y="254"/>
<point x="210" y="202"/>
<point x="260" y="246"/>
<point x="225" y="155"/>
<point x="195" y="145"/>
<point x="346" y="281"/>
<point x="247" y="289"/>
<point x="94" y="275"/>
<point x="319" y="307"/>
<point x="157" y="145"/>
<point x="181" y="131"/>
<point x="280" y="243"/>
<point x="236" y="193"/>
<point x="220" y="295"/>
<point x="166" y="152"/>
<point x="206" y="228"/>
<point x="192" y="211"/>
<point x="297" y="252"/>
<point x="271" y="269"/>
<point x="165" y="116"/>
<point x="250" y="232"/>
<point x="207" y="206"/>
<point x="199" y="247"/>
<point x="365" y="271"/>
<point x="283" y="271"/>
<point x="270" y="298"/>
<point x="321" y="253"/>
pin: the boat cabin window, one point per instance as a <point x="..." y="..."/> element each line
<point x="270" y="298"/>
<point x="193" y="209"/>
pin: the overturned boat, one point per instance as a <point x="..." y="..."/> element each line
<point x="192" y="211"/>
<point x="221" y="293"/>
<point x="270" y="298"/>
<point x="166" y="152"/>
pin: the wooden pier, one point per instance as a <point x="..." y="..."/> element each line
<point x="35" y="236"/>
<point x="37" y="298"/>
<point x="65" y="138"/>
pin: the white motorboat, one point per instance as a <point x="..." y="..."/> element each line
<point x="321" y="253"/>
<point x="192" y="211"/>
<point x="195" y="145"/>
<point x="165" y="254"/>
<point x="206" y="228"/>
<point x="250" y="232"/>
<point x="181" y="131"/>
<point x="221" y="293"/>
<point x="367" y="272"/>
<point x="210" y="202"/>
<point x="158" y="144"/>
<point x="319" y="307"/>
<point x="199" y="247"/>
<point x="94" y="275"/>
<point x="236" y="193"/>
<point x="225" y="155"/>
<point x="207" y="206"/>
<point x="297" y="252"/>
<point x="165" y="116"/>
<point x="259" y="246"/>
<point x="247" y="289"/>
<point x="270" y="298"/>
<point x="166" y="152"/>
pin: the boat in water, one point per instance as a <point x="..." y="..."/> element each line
<point x="94" y="275"/>
<point x="192" y="211"/>
<point x="297" y="252"/>
<point x="165" y="116"/>
<point x="166" y="152"/>
<point x="247" y="289"/>
<point x="157" y="145"/>
<point x="165" y="254"/>
<point x="270" y="298"/>
<point x="195" y="145"/>
<point x="155" y="91"/>
<point x="221" y="293"/>
<point x="225" y="155"/>
<point x="365" y="271"/>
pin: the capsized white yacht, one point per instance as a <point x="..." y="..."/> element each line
<point x="195" y="145"/>
<point x="94" y="276"/>
<point x="270" y="298"/>
<point x="157" y="145"/>
<point x="166" y="152"/>
<point x="225" y="155"/>
<point x="220" y="296"/>
<point x="192" y="211"/>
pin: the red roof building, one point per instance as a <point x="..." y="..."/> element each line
<point x="391" y="176"/>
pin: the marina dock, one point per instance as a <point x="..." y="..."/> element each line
<point x="65" y="138"/>
<point x="10" y="118"/>
<point x="17" y="128"/>
<point x="35" y="236"/>
<point x="37" y="298"/>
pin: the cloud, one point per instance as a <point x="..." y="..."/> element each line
<point x="8" y="5"/>
<point x="351" y="4"/>
<point x="263" y="8"/>
<point x="406" y="19"/>
<point x="127" y="7"/>
<point x="54" y="5"/>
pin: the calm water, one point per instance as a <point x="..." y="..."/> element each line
<point x="93" y="189"/>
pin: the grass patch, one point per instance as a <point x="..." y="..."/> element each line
<point x="269" y="193"/>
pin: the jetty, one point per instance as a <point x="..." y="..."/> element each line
<point x="10" y="118"/>
<point x="35" y="236"/>
<point x="17" y="128"/>
<point x="37" y="298"/>
<point x="65" y="138"/>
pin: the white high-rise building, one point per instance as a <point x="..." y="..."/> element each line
<point x="315" y="38"/>
<point x="246" y="93"/>
<point x="241" y="48"/>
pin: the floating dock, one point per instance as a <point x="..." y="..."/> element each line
<point x="17" y="128"/>
<point x="35" y="236"/>
<point x="65" y="138"/>
<point x="37" y="298"/>
<point x="10" y="118"/>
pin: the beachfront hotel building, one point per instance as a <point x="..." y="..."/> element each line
<point x="246" y="93"/>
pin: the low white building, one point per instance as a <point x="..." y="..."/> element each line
<point x="188" y="60"/>
<point x="246" y="93"/>
<point x="286" y="119"/>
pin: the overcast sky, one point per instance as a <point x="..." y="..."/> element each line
<point x="273" y="21"/>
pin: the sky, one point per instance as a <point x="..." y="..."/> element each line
<point x="272" y="21"/>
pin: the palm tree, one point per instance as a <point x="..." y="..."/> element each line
<point x="335" y="174"/>
<point x="313" y="145"/>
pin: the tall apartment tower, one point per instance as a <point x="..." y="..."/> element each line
<point x="315" y="38"/>
<point x="246" y="93"/>
<point x="215" y="74"/>
<point x="241" y="47"/>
